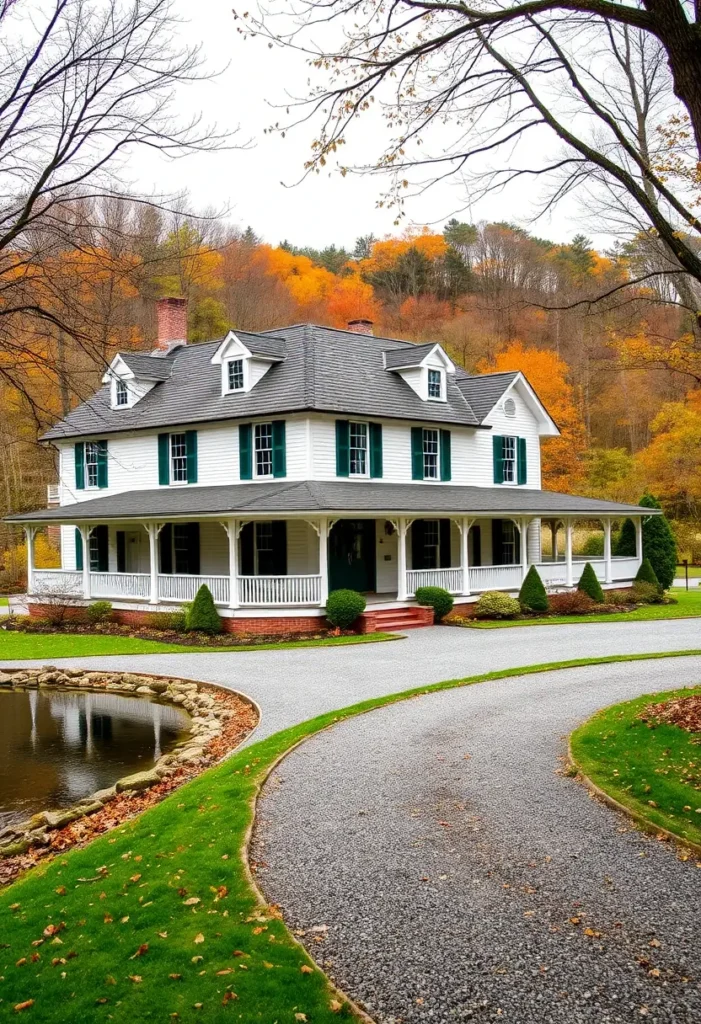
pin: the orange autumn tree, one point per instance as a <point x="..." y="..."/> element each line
<point x="671" y="463"/>
<point x="562" y="462"/>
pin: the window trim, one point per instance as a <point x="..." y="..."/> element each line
<point x="228" y="363"/>
<point x="424" y="432"/>
<point x="121" y="388"/>
<point x="254" y="450"/>
<point x="359" y="423"/>
<point x="513" y="462"/>
<point x="440" y="397"/>
<point x="171" y="457"/>
<point x="94" y="448"/>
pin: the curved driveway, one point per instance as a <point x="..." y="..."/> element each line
<point x="461" y="876"/>
<point x="293" y="685"/>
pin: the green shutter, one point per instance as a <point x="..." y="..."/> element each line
<point x="80" y="466"/>
<point x="102" y="465"/>
<point x="279" y="449"/>
<point x="279" y="547"/>
<point x="417" y="453"/>
<point x="376" y="450"/>
<point x="342" y="448"/>
<point x="245" y="452"/>
<point x="498" y="451"/>
<point x="522" y="466"/>
<point x="78" y="550"/>
<point x="191" y="451"/>
<point x="446" y="469"/>
<point x="163" y="459"/>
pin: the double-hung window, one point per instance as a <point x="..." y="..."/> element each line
<point x="358" y="448"/>
<point x="509" y="460"/>
<point x="263" y="445"/>
<point x="178" y="459"/>
<point x="235" y="375"/>
<point x="431" y="453"/>
<point x="92" y="449"/>
<point x="435" y="384"/>
<point x="508" y="542"/>
<point x="121" y="394"/>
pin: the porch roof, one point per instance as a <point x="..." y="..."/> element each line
<point x="282" y="497"/>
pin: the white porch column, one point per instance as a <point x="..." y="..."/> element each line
<point x="85" y="532"/>
<point x="568" y="553"/>
<point x="31" y="532"/>
<point x="639" y="540"/>
<point x="324" y="560"/>
<point x="401" y="558"/>
<point x="232" y="530"/>
<point x="608" y="568"/>
<point x="523" y="529"/>
<point x="153" y="561"/>
<point x="465" y="554"/>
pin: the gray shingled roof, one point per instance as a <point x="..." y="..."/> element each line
<point x="148" y="367"/>
<point x="398" y="358"/>
<point x="483" y="392"/>
<point x="260" y="345"/>
<point x="326" y="370"/>
<point x="280" y="497"/>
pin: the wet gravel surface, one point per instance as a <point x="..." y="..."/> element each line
<point x="453" y="873"/>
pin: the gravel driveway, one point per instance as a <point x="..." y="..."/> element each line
<point x="462" y="877"/>
<point x="292" y="685"/>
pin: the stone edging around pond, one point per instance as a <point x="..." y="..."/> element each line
<point x="220" y="720"/>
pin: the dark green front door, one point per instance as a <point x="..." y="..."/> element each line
<point x="352" y="555"/>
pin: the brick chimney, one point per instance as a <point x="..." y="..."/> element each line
<point x="360" y="326"/>
<point x="172" y="323"/>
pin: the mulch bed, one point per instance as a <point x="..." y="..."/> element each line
<point x="683" y="711"/>
<point x="23" y="624"/>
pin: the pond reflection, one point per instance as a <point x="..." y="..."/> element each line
<point x="56" y="748"/>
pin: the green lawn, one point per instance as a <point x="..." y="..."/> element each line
<point x="158" y="920"/>
<point x="694" y="572"/>
<point x="688" y="606"/>
<point x="25" y="646"/>
<point x="656" y="773"/>
<point x="4" y="601"/>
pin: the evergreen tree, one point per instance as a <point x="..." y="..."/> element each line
<point x="646" y="573"/>
<point x="589" y="584"/>
<point x="625" y="545"/>
<point x="659" y="545"/>
<point x="532" y="596"/>
<point x="202" y="615"/>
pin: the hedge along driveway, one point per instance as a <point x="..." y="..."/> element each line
<point x="159" y="920"/>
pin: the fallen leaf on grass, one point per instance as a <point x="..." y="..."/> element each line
<point x="61" y="891"/>
<point x="199" y="937"/>
<point x="197" y="959"/>
<point x="306" y="969"/>
<point x="335" y="1006"/>
<point x="28" y="1003"/>
<point x="175" y="977"/>
<point x="136" y="978"/>
<point x="53" y="929"/>
<point x="226" y="970"/>
<point x="192" y="901"/>
<point x="228" y="998"/>
<point x="301" y="1017"/>
<point x="141" y="951"/>
<point x="162" y="935"/>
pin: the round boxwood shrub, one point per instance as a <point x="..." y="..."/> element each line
<point x="437" y="598"/>
<point x="99" y="611"/>
<point x="532" y="596"/>
<point x="343" y="607"/>
<point x="493" y="604"/>
<point x="646" y="574"/>
<point x="589" y="584"/>
<point x="202" y="615"/>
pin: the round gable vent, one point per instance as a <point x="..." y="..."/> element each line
<point x="509" y="407"/>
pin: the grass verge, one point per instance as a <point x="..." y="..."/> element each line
<point x="654" y="773"/>
<point x="4" y="602"/>
<point x="27" y="646"/>
<point x="688" y="606"/>
<point x="158" y="920"/>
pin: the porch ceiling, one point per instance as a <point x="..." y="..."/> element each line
<point x="317" y="497"/>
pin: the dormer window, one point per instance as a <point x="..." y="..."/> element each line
<point x="235" y="378"/>
<point x="121" y="394"/>
<point x="435" y="384"/>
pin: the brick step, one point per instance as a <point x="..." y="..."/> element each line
<point x="399" y="619"/>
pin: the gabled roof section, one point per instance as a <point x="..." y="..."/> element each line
<point x="414" y="355"/>
<point x="484" y="391"/>
<point x="256" y="345"/>
<point x="148" y="367"/>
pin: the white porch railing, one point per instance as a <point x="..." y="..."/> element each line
<point x="279" y="590"/>
<point x="496" y="577"/>
<point x="449" y="579"/>
<point x="120" y="584"/>
<point x="184" y="588"/>
<point x="624" y="568"/>
<point x="58" y="582"/>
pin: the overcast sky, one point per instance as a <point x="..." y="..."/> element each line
<point x="258" y="185"/>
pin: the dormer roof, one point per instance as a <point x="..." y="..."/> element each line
<point x="145" y="367"/>
<point x="416" y="355"/>
<point x="256" y="346"/>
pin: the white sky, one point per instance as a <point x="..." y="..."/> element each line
<point x="323" y="209"/>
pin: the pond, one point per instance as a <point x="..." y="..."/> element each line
<point x="56" y="748"/>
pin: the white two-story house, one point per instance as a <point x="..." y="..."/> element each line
<point x="276" y="467"/>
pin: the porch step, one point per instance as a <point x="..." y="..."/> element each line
<point x="393" y="619"/>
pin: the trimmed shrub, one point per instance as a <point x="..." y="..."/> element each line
<point x="532" y="596"/>
<point x="619" y="597"/>
<point x="437" y="598"/>
<point x="571" y="602"/>
<point x="646" y="574"/>
<point x="647" y="593"/>
<point x="99" y="611"/>
<point x="175" y="621"/>
<point x="202" y="615"/>
<point x="590" y="585"/>
<point x="343" y="607"/>
<point x="493" y="604"/>
<point x="593" y="546"/>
